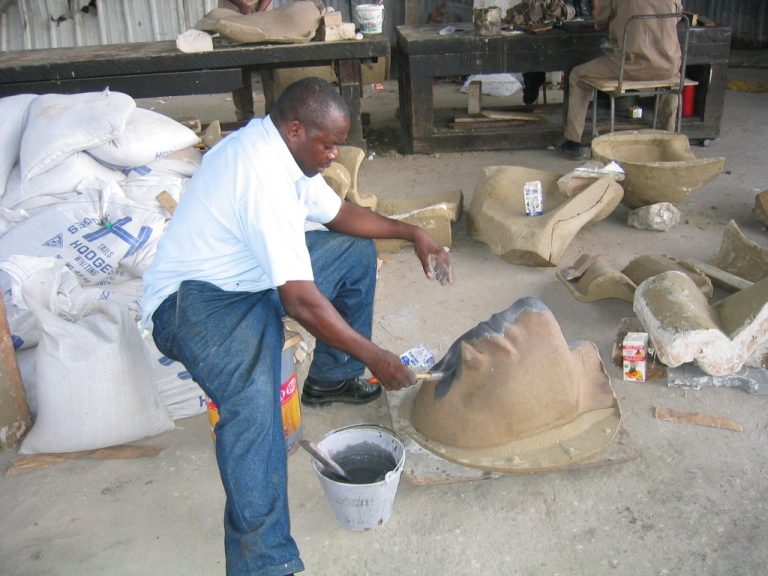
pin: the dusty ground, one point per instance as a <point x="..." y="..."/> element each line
<point x="694" y="502"/>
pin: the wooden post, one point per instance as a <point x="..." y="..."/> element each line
<point x="411" y="12"/>
<point x="474" y="94"/>
<point x="15" y="419"/>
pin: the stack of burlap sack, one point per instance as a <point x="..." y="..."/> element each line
<point x="79" y="224"/>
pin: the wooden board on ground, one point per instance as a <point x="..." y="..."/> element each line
<point x="422" y="467"/>
<point x="498" y="116"/>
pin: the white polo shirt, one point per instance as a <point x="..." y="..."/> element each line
<point x="240" y="223"/>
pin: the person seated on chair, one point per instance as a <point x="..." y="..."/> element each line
<point x="246" y="6"/>
<point x="652" y="52"/>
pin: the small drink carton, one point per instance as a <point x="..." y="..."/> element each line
<point x="534" y="200"/>
<point x="635" y="356"/>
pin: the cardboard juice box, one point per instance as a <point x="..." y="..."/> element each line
<point x="635" y="356"/>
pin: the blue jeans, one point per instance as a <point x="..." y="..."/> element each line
<point x="231" y="343"/>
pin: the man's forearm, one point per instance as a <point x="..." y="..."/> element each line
<point x="357" y="221"/>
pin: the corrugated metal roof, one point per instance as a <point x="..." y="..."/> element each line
<point x="748" y="19"/>
<point x="29" y="24"/>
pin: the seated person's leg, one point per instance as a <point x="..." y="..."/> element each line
<point x="532" y="83"/>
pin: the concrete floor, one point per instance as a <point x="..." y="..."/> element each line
<point x="693" y="503"/>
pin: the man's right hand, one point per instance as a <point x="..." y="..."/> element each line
<point x="390" y="372"/>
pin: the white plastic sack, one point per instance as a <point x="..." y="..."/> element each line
<point x="14" y="111"/>
<point x="102" y="237"/>
<point x="25" y="360"/>
<point x="64" y="181"/>
<point x="180" y="395"/>
<point x="495" y="84"/>
<point x="61" y="124"/>
<point x="91" y="369"/>
<point x="148" y="136"/>
<point x="142" y="185"/>
<point x="9" y="218"/>
<point x="24" y="326"/>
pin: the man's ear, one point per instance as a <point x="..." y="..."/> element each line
<point x="294" y="130"/>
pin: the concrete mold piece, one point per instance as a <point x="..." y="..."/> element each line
<point x="516" y="397"/>
<point x="293" y="23"/>
<point x="497" y="214"/>
<point x="342" y="175"/>
<point x="601" y="281"/>
<point x="741" y="256"/>
<point x="684" y="328"/>
<point x="659" y="166"/>
<point x="434" y="213"/>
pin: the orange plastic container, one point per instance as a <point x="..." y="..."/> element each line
<point x="290" y="407"/>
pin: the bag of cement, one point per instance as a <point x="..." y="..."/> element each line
<point x="584" y="176"/>
<point x="25" y="360"/>
<point x="148" y="136"/>
<point x="102" y="236"/>
<point x="91" y="370"/>
<point x="9" y="218"/>
<point x="180" y="395"/>
<point x="143" y="183"/>
<point x="61" y="124"/>
<point x="64" y="181"/>
<point x="24" y="326"/>
<point x="14" y="111"/>
<point x="495" y="84"/>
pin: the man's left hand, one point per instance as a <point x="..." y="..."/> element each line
<point x="434" y="259"/>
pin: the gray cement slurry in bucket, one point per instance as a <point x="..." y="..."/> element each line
<point x="364" y="463"/>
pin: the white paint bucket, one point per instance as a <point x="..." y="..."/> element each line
<point x="373" y="457"/>
<point x="369" y="18"/>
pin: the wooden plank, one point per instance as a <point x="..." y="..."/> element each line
<point x="138" y="86"/>
<point x="15" y="418"/>
<point x="154" y="57"/>
<point x="474" y="94"/>
<point x="411" y="12"/>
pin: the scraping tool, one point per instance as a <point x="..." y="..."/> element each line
<point x="324" y="458"/>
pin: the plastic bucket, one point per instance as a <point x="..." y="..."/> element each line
<point x="689" y="100"/>
<point x="369" y="18"/>
<point x="374" y="457"/>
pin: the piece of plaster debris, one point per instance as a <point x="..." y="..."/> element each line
<point x="697" y="418"/>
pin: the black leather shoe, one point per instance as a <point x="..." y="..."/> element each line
<point x="572" y="150"/>
<point x="351" y="391"/>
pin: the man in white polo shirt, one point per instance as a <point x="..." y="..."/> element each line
<point x="236" y="259"/>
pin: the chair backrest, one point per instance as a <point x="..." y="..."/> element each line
<point x="686" y="25"/>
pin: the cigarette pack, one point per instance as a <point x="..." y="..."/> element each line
<point x="635" y="356"/>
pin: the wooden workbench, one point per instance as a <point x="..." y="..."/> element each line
<point x="424" y="55"/>
<point x="150" y="69"/>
